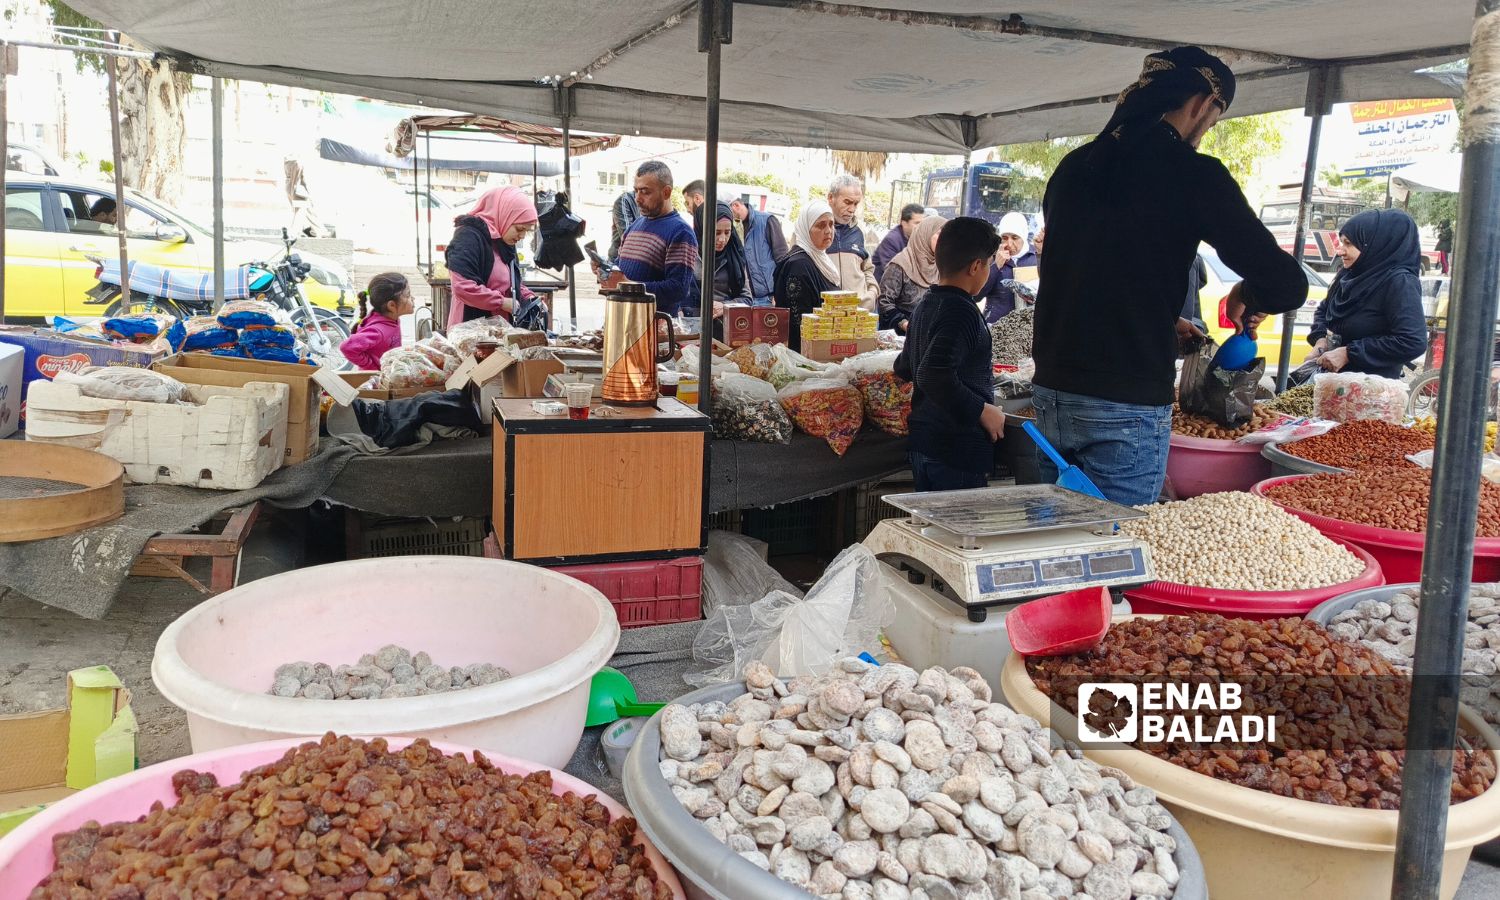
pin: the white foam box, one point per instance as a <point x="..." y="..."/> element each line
<point x="11" y="360"/>
<point x="222" y="437"/>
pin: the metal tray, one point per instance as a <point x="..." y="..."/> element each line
<point x="991" y="512"/>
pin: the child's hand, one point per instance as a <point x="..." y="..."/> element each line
<point x="992" y="420"/>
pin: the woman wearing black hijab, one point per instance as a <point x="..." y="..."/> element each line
<point x="731" y="282"/>
<point x="1372" y="321"/>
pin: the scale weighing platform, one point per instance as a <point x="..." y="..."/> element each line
<point x="989" y="547"/>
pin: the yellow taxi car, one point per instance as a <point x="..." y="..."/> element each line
<point x="50" y="237"/>
<point x="1268" y="337"/>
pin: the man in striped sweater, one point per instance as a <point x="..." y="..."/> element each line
<point x="659" y="249"/>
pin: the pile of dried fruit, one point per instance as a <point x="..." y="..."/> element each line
<point x="1429" y="425"/>
<point x="1239" y="542"/>
<point x="351" y="818"/>
<point x="1390" y="629"/>
<point x="878" y="782"/>
<point x="1191" y="425"/>
<point x="1010" y="337"/>
<point x="1362" y="444"/>
<point x="1297" y="401"/>
<point x="1340" y="709"/>
<point x="388" y="673"/>
<point x="1393" y="498"/>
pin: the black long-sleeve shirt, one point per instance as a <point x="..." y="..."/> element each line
<point x="1384" y="331"/>
<point x="1120" y="242"/>
<point x="947" y="359"/>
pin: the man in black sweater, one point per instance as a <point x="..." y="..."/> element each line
<point x="954" y="420"/>
<point x="1125" y="214"/>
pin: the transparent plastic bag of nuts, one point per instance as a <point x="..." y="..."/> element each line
<point x="841" y="616"/>
<point x="747" y="409"/>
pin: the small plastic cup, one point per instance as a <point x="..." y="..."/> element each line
<point x="687" y="390"/>
<point x="667" y="383"/>
<point x="578" y="396"/>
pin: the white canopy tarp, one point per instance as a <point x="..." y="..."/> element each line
<point x="1434" y="175"/>
<point x="909" y="77"/>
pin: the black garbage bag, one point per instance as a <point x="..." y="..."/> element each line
<point x="560" y="231"/>
<point x="1227" y="397"/>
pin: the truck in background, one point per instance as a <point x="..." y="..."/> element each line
<point x="1331" y="208"/>
<point x="988" y="192"/>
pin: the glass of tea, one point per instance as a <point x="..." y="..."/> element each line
<point x="578" y="396"/>
<point x="667" y="383"/>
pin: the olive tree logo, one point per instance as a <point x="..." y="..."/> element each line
<point x="1108" y="711"/>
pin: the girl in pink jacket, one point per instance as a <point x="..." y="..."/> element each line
<point x="381" y="306"/>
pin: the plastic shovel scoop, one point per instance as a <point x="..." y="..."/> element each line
<point x="1236" y="354"/>
<point x="612" y="697"/>
<point x="1069" y="477"/>
<point x="1060" y="624"/>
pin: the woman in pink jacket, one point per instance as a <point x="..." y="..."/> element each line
<point x="381" y="306"/>
<point x="481" y="256"/>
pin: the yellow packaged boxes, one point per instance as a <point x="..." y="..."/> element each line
<point x="52" y="753"/>
<point x="228" y="438"/>
<point x="837" y="299"/>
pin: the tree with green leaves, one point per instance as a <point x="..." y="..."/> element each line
<point x="1241" y="144"/>
<point x="153" y="100"/>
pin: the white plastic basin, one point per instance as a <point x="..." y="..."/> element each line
<point x="552" y="632"/>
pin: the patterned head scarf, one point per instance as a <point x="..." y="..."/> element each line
<point x="1167" y="80"/>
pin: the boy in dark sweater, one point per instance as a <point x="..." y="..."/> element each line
<point x="954" y="420"/>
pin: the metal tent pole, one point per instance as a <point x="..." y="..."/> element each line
<point x="216" y="94"/>
<point x="5" y="53"/>
<point x="566" y="95"/>
<point x="1448" y="553"/>
<point x="1317" y="108"/>
<point x="120" y="207"/>
<point x="428" y="203"/>
<point x="963" y="188"/>
<point x="416" y="204"/>
<point x="715" y="23"/>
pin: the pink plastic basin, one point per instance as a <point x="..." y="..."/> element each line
<point x="1208" y="465"/>
<point x="26" y="853"/>
<point x="1171" y="598"/>
<point x="1399" y="552"/>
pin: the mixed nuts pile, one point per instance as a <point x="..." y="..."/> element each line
<point x="882" y="782"/>
<point x="388" y="673"/>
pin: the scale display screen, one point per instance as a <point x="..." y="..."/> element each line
<point x="1060" y="569"/>
<point x="1021" y="578"/>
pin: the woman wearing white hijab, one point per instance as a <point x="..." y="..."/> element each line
<point x="807" y="271"/>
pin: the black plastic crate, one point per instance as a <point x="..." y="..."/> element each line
<point x="792" y="529"/>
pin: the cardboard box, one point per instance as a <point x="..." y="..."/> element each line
<point x="48" y="352"/>
<point x="751" y="324"/>
<point x="12" y="361"/>
<point x="50" y="754"/>
<point x="356" y="379"/>
<point x="229" y="438"/>
<point x="502" y="375"/>
<point x="837" y="351"/>
<point x="303" y="398"/>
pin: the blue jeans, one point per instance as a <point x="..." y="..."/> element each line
<point x="1121" y="447"/>
<point x="931" y="475"/>
<point x="763" y="301"/>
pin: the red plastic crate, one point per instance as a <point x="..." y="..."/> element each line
<point x="651" y="592"/>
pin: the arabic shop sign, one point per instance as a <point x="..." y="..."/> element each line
<point x="1390" y="134"/>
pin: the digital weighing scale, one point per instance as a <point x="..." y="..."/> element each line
<point x="978" y="549"/>
<point x="958" y="555"/>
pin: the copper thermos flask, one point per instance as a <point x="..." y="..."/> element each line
<point x="630" y="345"/>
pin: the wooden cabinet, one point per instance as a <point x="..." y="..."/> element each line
<point x="626" y="485"/>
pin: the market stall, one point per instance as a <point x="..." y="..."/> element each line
<point x="977" y="768"/>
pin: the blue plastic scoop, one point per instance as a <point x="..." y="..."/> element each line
<point x="1069" y="477"/>
<point x="1236" y="354"/>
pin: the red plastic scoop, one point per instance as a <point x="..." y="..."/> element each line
<point x="1060" y="624"/>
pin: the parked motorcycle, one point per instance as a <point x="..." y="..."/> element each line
<point x="185" y="293"/>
